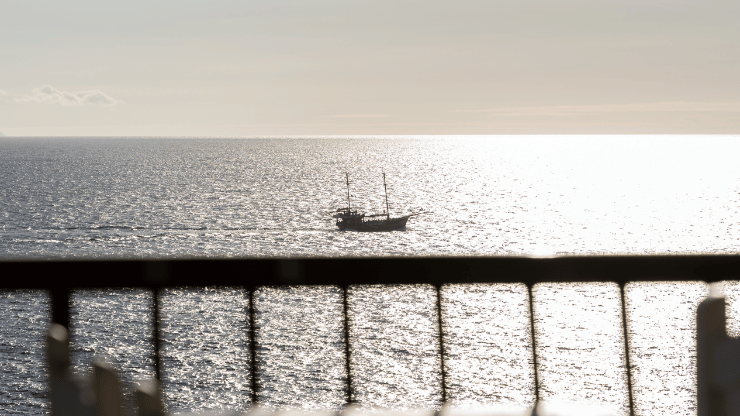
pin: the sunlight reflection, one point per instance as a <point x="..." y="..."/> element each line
<point x="580" y="345"/>
<point x="662" y="325"/>
<point x="488" y="342"/>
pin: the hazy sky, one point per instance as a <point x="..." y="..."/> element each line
<point x="272" y="67"/>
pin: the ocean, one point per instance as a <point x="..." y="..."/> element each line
<point x="85" y="198"/>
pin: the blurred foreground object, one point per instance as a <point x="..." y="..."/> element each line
<point x="99" y="396"/>
<point x="717" y="361"/>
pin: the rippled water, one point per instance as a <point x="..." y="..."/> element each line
<point x="21" y="339"/>
<point x="204" y="349"/>
<point x="86" y="198"/>
<point x="485" y="195"/>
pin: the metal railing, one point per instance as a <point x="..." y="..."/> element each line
<point x="60" y="278"/>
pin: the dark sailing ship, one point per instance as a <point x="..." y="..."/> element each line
<point x="351" y="219"/>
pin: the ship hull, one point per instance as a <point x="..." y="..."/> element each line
<point x="390" y="224"/>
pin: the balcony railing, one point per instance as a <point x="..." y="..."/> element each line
<point x="60" y="278"/>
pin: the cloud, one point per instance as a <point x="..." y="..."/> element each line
<point x="50" y="95"/>
<point x="3" y="93"/>
<point x="571" y="110"/>
<point x="357" y="116"/>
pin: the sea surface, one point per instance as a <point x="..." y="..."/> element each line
<point x="87" y="198"/>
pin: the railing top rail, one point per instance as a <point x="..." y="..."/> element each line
<point x="342" y="271"/>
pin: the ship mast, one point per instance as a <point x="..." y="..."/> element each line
<point x="387" y="207"/>
<point x="349" y="206"/>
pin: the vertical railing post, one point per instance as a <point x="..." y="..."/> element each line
<point x="60" y="306"/>
<point x="440" y="332"/>
<point x="534" y="349"/>
<point x="254" y="376"/>
<point x="156" y="273"/>
<point x="156" y="334"/>
<point x="628" y="369"/>
<point x="349" y="392"/>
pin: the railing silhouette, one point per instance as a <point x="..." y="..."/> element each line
<point x="60" y="278"/>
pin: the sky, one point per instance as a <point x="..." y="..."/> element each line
<point x="354" y="67"/>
